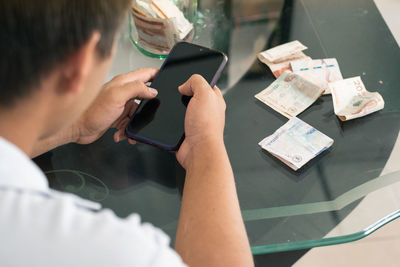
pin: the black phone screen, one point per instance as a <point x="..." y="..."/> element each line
<point x="160" y="120"/>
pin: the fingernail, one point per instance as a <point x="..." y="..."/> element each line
<point x="153" y="91"/>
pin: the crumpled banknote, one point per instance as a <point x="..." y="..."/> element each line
<point x="351" y="100"/>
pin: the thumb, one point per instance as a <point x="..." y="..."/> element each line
<point x="135" y="89"/>
<point x="195" y="86"/>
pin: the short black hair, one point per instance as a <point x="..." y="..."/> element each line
<point x="36" y="35"/>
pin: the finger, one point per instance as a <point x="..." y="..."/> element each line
<point x="116" y="137"/>
<point x="195" y="86"/>
<point x="217" y="91"/>
<point x="131" y="141"/>
<point x="123" y="123"/>
<point x="120" y="135"/>
<point x="126" y="113"/>
<point x="144" y="75"/>
<point x="220" y="96"/>
<point x="126" y="116"/>
<point x="133" y="108"/>
<point x="135" y="89"/>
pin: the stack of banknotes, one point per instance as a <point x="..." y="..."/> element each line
<point x="160" y="24"/>
<point x="300" y="82"/>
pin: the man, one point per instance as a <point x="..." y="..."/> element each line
<point x="54" y="55"/>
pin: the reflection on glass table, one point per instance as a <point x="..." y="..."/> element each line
<point x="342" y="195"/>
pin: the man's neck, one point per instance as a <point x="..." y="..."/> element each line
<point x="22" y="124"/>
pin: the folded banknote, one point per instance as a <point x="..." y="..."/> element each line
<point x="282" y="52"/>
<point x="280" y="67"/>
<point x="296" y="143"/>
<point x="319" y="71"/>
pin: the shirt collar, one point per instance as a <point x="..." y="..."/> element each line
<point x="18" y="171"/>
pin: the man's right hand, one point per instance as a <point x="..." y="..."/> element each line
<point x="205" y="118"/>
<point x="210" y="231"/>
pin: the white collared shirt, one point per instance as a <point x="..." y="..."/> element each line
<point x="43" y="227"/>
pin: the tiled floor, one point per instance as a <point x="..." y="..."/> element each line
<point x="382" y="248"/>
<point x="390" y="10"/>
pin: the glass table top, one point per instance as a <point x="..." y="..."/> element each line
<point x="344" y="194"/>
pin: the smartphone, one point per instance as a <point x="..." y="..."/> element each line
<point x="160" y="121"/>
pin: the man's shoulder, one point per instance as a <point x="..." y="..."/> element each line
<point x="67" y="227"/>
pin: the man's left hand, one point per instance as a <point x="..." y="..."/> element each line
<point x="114" y="106"/>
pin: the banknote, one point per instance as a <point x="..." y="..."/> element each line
<point x="351" y="100"/>
<point x="319" y="71"/>
<point x="160" y="24"/>
<point x="290" y="94"/>
<point x="279" y="67"/>
<point x="282" y="52"/>
<point x="296" y="143"/>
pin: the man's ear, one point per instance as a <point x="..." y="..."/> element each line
<point x="78" y="65"/>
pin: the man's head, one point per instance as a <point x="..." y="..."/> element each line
<point x="61" y="43"/>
